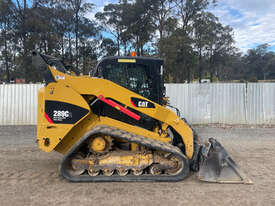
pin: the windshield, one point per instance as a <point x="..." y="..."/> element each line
<point x="135" y="77"/>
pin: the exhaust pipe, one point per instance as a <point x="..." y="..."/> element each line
<point x="217" y="165"/>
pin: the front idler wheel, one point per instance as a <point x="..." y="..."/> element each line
<point x="73" y="169"/>
<point x="177" y="166"/>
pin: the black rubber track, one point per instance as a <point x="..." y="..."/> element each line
<point x="130" y="137"/>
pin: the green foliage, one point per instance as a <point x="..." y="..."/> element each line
<point x="215" y="79"/>
<point x="260" y="63"/>
<point x="252" y="79"/>
<point x="191" y="40"/>
<point x="57" y="28"/>
<point x="108" y="47"/>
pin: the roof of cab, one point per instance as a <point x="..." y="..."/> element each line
<point x="131" y="57"/>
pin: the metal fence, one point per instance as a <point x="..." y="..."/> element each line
<point x="209" y="103"/>
<point x="18" y="104"/>
<point x="260" y="107"/>
<point x="229" y="103"/>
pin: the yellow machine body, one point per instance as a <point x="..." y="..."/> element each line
<point x="109" y="130"/>
<point x="74" y="89"/>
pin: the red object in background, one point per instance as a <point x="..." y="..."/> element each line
<point x="133" y="54"/>
<point x="20" y="81"/>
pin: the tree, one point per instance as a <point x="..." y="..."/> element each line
<point x="214" y="41"/>
<point x="259" y="62"/>
<point x="139" y="23"/>
<point x="192" y="41"/>
<point x="108" y="47"/>
<point x="179" y="57"/>
<point x="79" y="8"/>
<point x="201" y="30"/>
<point x="7" y="9"/>
<point x="162" y="13"/>
<point x="219" y="45"/>
<point x="21" y="31"/>
<point x="62" y="23"/>
<point x="111" y="19"/>
<point x="270" y="67"/>
<point x="188" y="9"/>
<point x="88" y="36"/>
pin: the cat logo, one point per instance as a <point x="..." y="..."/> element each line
<point x="142" y="104"/>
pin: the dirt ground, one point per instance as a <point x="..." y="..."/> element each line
<point x="30" y="177"/>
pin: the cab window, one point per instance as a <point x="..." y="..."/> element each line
<point x="135" y="77"/>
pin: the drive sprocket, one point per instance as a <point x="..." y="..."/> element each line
<point x="100" y="144"/>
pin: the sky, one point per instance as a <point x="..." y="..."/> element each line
<point x="253" y="21"/>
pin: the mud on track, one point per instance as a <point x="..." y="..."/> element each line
<point x="30" y="177"/>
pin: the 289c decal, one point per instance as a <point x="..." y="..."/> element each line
<point x="60" y="115"/>
<point x="63" y="113"/>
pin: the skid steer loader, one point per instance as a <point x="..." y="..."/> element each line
<point x="114" y="125"/>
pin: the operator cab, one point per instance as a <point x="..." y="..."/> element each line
<point x="142" y="75"/>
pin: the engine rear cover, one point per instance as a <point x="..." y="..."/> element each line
<point x="64" y="113"/>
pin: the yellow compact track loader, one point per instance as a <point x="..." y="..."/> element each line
<point x="114" y="125"/>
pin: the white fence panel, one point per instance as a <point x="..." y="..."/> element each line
<point x="228" y="103"/>
<point x="209" y="103"/>
<point x="18" y="104"/>
<point x="261" y="103"/>
<point x="253" y="103"/>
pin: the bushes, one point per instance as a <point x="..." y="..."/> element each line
<point x="252" y="79"/>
